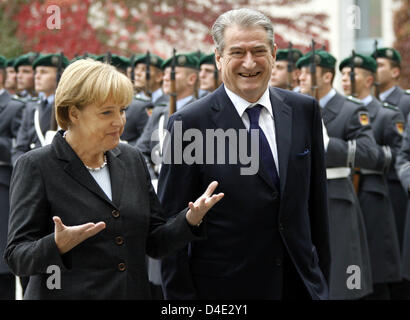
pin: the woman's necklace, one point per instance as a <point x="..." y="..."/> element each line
<point x="89" y="168"/>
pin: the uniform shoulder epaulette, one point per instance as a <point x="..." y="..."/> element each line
<point x="140" y="98"/>
<point x="390" y="106"/>
<point x="355" y="100"/>
<point x="162" y="104"/>
<point x="17" y="98"/>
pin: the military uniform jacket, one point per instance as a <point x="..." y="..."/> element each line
<point x="374" y="197"/>
<point x="137" y="117"/>
<point x="111" y="265"/>
<point x="10" y="119"/>
<point x="403" y="171"/>
<point x="401" y="99"/>
<point x="27" y="138"/>
<point x="348" y="242"/>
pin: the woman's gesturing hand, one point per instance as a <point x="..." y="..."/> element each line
<point x="67" y="238"/>
<point x="200" y="207"/>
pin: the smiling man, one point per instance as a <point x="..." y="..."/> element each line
<point x="268" y="238"/>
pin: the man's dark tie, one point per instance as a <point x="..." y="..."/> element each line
<point x="265" y="153"/>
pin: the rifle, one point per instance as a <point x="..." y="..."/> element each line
<point x="352" y="76"/>
<point x="196" y="86"/>
<point x="132" y="69"/>
<point x="376" y="82"/>
<point x="314" y="91"/>
<point x="107" y="58"/>
<point x="290" y="66"/>
<point x="53" y="120"/>
<point x="173" y="94"/>
<point x="148" y="74"/>
<point x="355" y="171"/>
<point x="216" y="76"/>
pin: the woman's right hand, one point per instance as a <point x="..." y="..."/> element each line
<point x="67" y="238"/>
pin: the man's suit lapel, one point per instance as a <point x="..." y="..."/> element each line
<point x="75" y="168"/>
<point x="226" y="117"/>
<point x="282" y="114"/>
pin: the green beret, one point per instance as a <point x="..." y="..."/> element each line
<point x="10" y="62"/>
<point x="187" y="60"/>
<point x="50" y="60"/>
<point x="360" y="61"/>
<point x="322" y="58"/>
<point x="25" y="60"/>
<point x="207" y="59"/>
<point x="84" y="56"/>
<point x="388" y="53"/>
<point x="283" y="55"/>
<point x="154" y="60"/>
<point x="3" y="62"/>
<point x="117" y="61"/>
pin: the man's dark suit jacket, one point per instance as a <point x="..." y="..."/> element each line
<point x="53" y="181"/>
<point x="250" y="229"/>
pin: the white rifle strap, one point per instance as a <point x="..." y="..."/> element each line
<point x="38" y="128"/>
<point x="161" y="132"/>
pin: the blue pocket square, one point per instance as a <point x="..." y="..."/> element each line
<point x="303" y="154"/>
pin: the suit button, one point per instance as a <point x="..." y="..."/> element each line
<point x="121" y="266"/>
<point x="279" y="262"/>
<point x="115" y="213"/>
<point x="119" y="240"/>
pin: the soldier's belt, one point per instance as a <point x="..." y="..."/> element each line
<point x="338" y="173"/>
<point x="370" y="172"/>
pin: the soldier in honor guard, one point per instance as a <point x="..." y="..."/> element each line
<point x="285" y="74"/>
<point x="25" y="75"/>
<point x="185" y="67"/>
<point x="11" y="77"/>
<point x="402" y="291"/>
<point x="388" y="76"/>
<point x="186" y="74"/>
<point x="11" y="110"/>
<point x="387" y="124"/>
<point x="348" y="141"/>
<point x="209" y="79"/>
<point x="38" y="116"/>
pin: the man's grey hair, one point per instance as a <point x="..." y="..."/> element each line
<point x="244" y="18"/>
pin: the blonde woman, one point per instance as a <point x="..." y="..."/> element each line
<point x="83" y="209"/>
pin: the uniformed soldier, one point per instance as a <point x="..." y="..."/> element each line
<point x="348" y="142"/>
<point x="281" y="77"/>
<point x="387" y="123"/>
<point x="25" y="75"/>
<point x="10" y="118"/>
<point x="186" y="74"/>
<point x="209" y="79"/>
<point x="136" y="113"/>
<point x="11" y="77"/>
<point x="388" y="76"/>
<point x="403" y="171"/>
<point x="38" y="117"/>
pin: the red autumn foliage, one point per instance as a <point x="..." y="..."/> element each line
<point x="402" y="44"/>
<point x="126" y="27"/>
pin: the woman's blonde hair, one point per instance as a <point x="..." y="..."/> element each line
<point x="88" y="82"/>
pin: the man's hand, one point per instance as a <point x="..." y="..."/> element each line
<point x="67" y="238"/>
<point x="201" y="206"/>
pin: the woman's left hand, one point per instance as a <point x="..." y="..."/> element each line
<point x="200" y="207"/>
